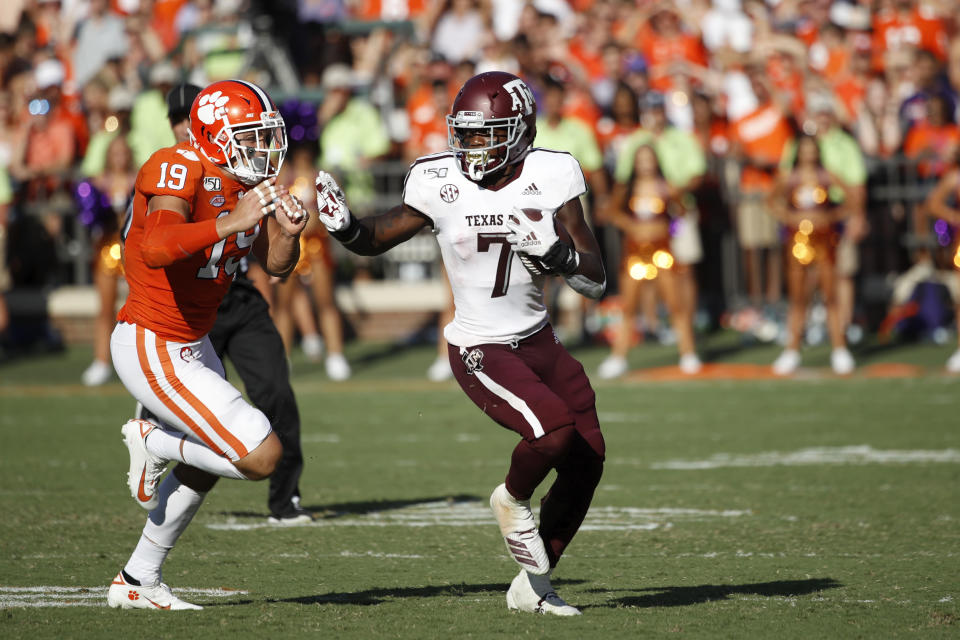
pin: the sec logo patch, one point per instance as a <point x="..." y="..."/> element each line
<point x="449" y="193"/>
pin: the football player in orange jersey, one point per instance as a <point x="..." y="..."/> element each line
<point x="198" y="209"/>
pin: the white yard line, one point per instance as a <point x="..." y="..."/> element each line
<point x="57" y="597"/>
<point x="851" y="455"/>
<point x="476" y="514"/>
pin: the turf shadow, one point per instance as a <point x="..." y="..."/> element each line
<point x="341" y="509"/>
<point x="684" y="596"/>
<point x="369" y="597"/>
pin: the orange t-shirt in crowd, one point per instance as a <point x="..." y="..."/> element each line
<point x="762" y="136"/>
<point x="716" y="139"/>
<point x="163" y="21"/>
<point x="660" y="52"/>
<point x="591" y="61"/>
<point x="891" y="30"/>
<point x="611" y="135"/>
<point x="179" y="302"/>
<point x="53" y="145"/>
<point x="579" y="104"/>
<point x="389" y="9"/>
<point x="938" y="143"/>
<point x="428" y="123"/>
<point x="788" y="80"/>
<point x="851" y="90"/>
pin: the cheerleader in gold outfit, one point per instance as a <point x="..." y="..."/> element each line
<point x="644" y="219"/>
<point x="801" y="201"/>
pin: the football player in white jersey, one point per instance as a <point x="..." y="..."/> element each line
<point x="506" y="216"/>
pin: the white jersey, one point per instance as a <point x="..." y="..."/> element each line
<point x="497" y="300"/>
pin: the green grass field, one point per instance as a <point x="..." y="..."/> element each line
<point x="813" y="508"/>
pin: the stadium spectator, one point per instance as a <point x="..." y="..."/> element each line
<point x="759" y="139"/>
<point x="555" y="130"/>
<point x="930" y="81"/>
<point x="46" y="149"/>
<point x="459" y="31"/>
<point x="100" y="37"/>
<point x="352" y="134"/>
<point x="800" y="200"/>
<point x="933" y="140"/>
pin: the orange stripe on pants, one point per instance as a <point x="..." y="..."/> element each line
<point x="194" y="402"/>
<point x="164" y="398"/>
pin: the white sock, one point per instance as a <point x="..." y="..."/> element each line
<point x="171" y="445"/>
<point x="178" y="504"/>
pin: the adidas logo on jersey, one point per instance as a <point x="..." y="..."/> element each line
<point x="531" y="190"/>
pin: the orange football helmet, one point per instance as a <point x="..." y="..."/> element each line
<point x="236" y="125"/>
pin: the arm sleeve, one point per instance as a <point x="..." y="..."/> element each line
<point x="167" y="235"/>
<point x="167" y="238"/>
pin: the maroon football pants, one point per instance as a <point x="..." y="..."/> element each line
<point x="537" y="389"/>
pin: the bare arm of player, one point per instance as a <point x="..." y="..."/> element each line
<point x="374" y="235"/>
<point x="589" y="278"/>
<point x="278" y="247"/>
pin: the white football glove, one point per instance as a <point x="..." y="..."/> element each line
<point x="533" y="237"/>
<point x="334" y="213"/>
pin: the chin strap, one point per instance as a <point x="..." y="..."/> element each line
<point x="475" y="170"/>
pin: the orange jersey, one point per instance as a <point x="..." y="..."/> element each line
<point x="918" y="28"/>
<point x="179" y="302"/>
<point x="762" y="136"/>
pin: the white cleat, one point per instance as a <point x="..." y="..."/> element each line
<point x="842" y="362"/>
<point x="690" y="364"/>
<point x="535" y="594"/>
<point x="787" y="362"/>
<point x="519" y="531"/>
<point x="96" y="374"/>
<point x="953" y="363"/>
<point x="123" y="595"/>
<point x="145" y="468"/>
<point x="440" y="370"/>
<point x="612" y="367"/>
<point x="337" y="367"/>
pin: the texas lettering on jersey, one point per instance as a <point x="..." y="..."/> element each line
<point x="496" y="298"/>
<point x="180" y="301"/>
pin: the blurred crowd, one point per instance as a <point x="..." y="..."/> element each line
<point x="721" y="91"/>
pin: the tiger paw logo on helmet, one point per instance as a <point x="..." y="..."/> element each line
<point x="211" y="107"/>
